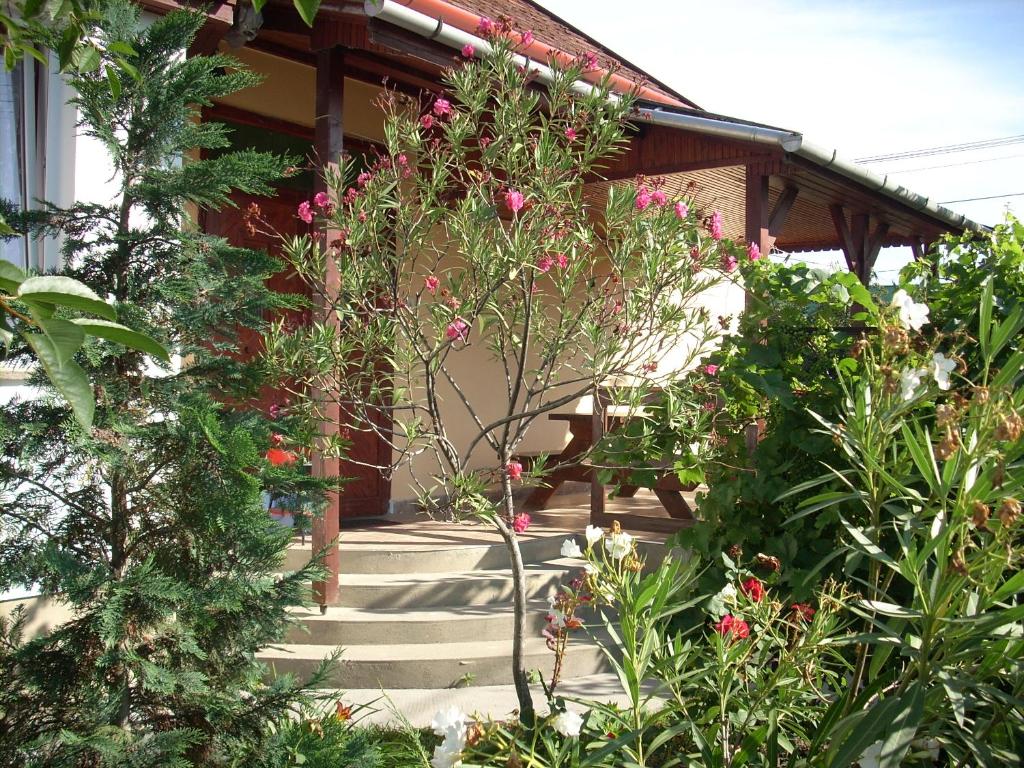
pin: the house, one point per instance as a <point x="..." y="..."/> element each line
<point x="772" y="186"/>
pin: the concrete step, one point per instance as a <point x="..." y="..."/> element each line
<point x="449" y="589"/>
<point x="359" y="626"/>
<point x="417" y="706"/>
<point x="429" y="665"/>
<point x="429" y="557"/>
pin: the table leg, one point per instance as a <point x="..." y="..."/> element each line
<point x="674" y="504"/>
<point x="541" y="495"/>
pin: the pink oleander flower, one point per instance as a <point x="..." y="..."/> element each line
<point x="514" y="469"/>
<point x="643" y="198"/>
<point x="715" y="226"/>
<point x="753" y="252"/>
<point x="305" y="212"/>
<point x="485" y="27"/>
<point x="514" y="200"/>
<point x="520" y="522"/>
<point x="457" y="329"/>
<point x="527" y="38"/>
<point x="430" y="282"/>
<point x="650" y="366"/>
<point x="364" y="178"/>
<point x="730" y="625"/>
<point x="562" y="259"/>
<point x="589" y="61"/>
<point x="570" y="133"/>
<point x="729" y="262"/>
<point x="710" y="406"/>
<point x="350" y="196"/>
<point x="545" y="263"/>
<point x="274" y="411"/>
<point x="442" y="107"/>
<point x="402" y="160"/>
<point x="427" y="121"/>
<point x="682" y="210"/>
<point x="468" y="50"/>
<point x="659" y="198"/>
<point x="710" y="369"/>
<point x="321" y="200"/>
<point x="362" y="217"/>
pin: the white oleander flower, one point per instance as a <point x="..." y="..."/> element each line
<point x="571" y="549"/>
<point x="593" y="534"/>
<point x="942" y="367"/>
<point x="910" y="382"/>
<point x="619" y="544"/>
<point x="912" y="314"/>
<point x="568" y="723"/>
<point x="448" y="754"/>
<point x="451" y="719"/>
<point x="727" y="593"/>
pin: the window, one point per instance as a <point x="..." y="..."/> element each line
<point x="12" y="155"/>
<point x="37" y="152"/>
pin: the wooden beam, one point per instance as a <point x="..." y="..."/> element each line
<point x="328" y="142"/>
<point x="777" y="218"/>
<point x="859" y="236"/>
<point x="845" y="240"/>
<point x="874" y="245"/>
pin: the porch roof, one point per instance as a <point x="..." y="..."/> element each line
<point x="771" y="185"/>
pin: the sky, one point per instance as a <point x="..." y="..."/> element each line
<point x="864" y="76"/>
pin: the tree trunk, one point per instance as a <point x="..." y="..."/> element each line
<point x="519" y="676"/>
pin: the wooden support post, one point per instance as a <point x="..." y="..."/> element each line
<point x="780" y="212"/>
<point x="328" y="135"/>
<point x="861" y="245"/>
<point x="757" y="213"/>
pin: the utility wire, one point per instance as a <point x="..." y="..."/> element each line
<point x="949" y="148"/>
<point x="987" y="197"/>
<point x="955" y="165"/>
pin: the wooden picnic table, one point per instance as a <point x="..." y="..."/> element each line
<point x="585" y="429"/>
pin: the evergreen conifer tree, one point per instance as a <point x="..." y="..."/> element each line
<point x="151" y="526"/>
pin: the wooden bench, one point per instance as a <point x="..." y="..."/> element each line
<point x="585" y="430"/>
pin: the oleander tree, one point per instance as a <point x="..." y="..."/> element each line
<point x="483" y="280"/>
<point x="147" y="520"/>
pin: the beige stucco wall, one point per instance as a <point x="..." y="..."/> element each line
<point x="287" y="93"/>
<point x="42" y="614"/>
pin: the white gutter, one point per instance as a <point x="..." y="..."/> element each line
<point x="789" y="141"/>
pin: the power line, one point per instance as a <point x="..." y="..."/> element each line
<point x="987" y="197"/>
<point x="949" y="148"/>
<point x="954" y="165"/>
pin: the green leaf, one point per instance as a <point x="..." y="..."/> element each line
<point x="65" y="291"/>
<point x="122" y="335"/>
<point x="307" y="10"/>
<point x="904" y="728"/>
<point x="69" y="379"/>
<point x="114" y="82"/>
<point x="86" y="59"/>
<point x="66" y="338"/>
<point x="10" y="277"/>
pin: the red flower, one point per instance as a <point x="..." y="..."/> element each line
<point x="730" y="625"/>
<point x="803" y="612"/>
<point x="753" y="589"/>
<point x="278" y="457"/>
<point x="515" y="470"/>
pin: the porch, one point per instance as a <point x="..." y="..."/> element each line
<point x="425" y="612"/>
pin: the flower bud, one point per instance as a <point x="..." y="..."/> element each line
<point x="979" y="514"/>
<point x="1009" y="511"/>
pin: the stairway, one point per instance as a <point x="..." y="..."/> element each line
<point x="432" y="616"/>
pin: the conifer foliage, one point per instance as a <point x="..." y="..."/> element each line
<point x="150" y="526"/>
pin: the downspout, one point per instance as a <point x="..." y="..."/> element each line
<point x="789" y="141"/>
